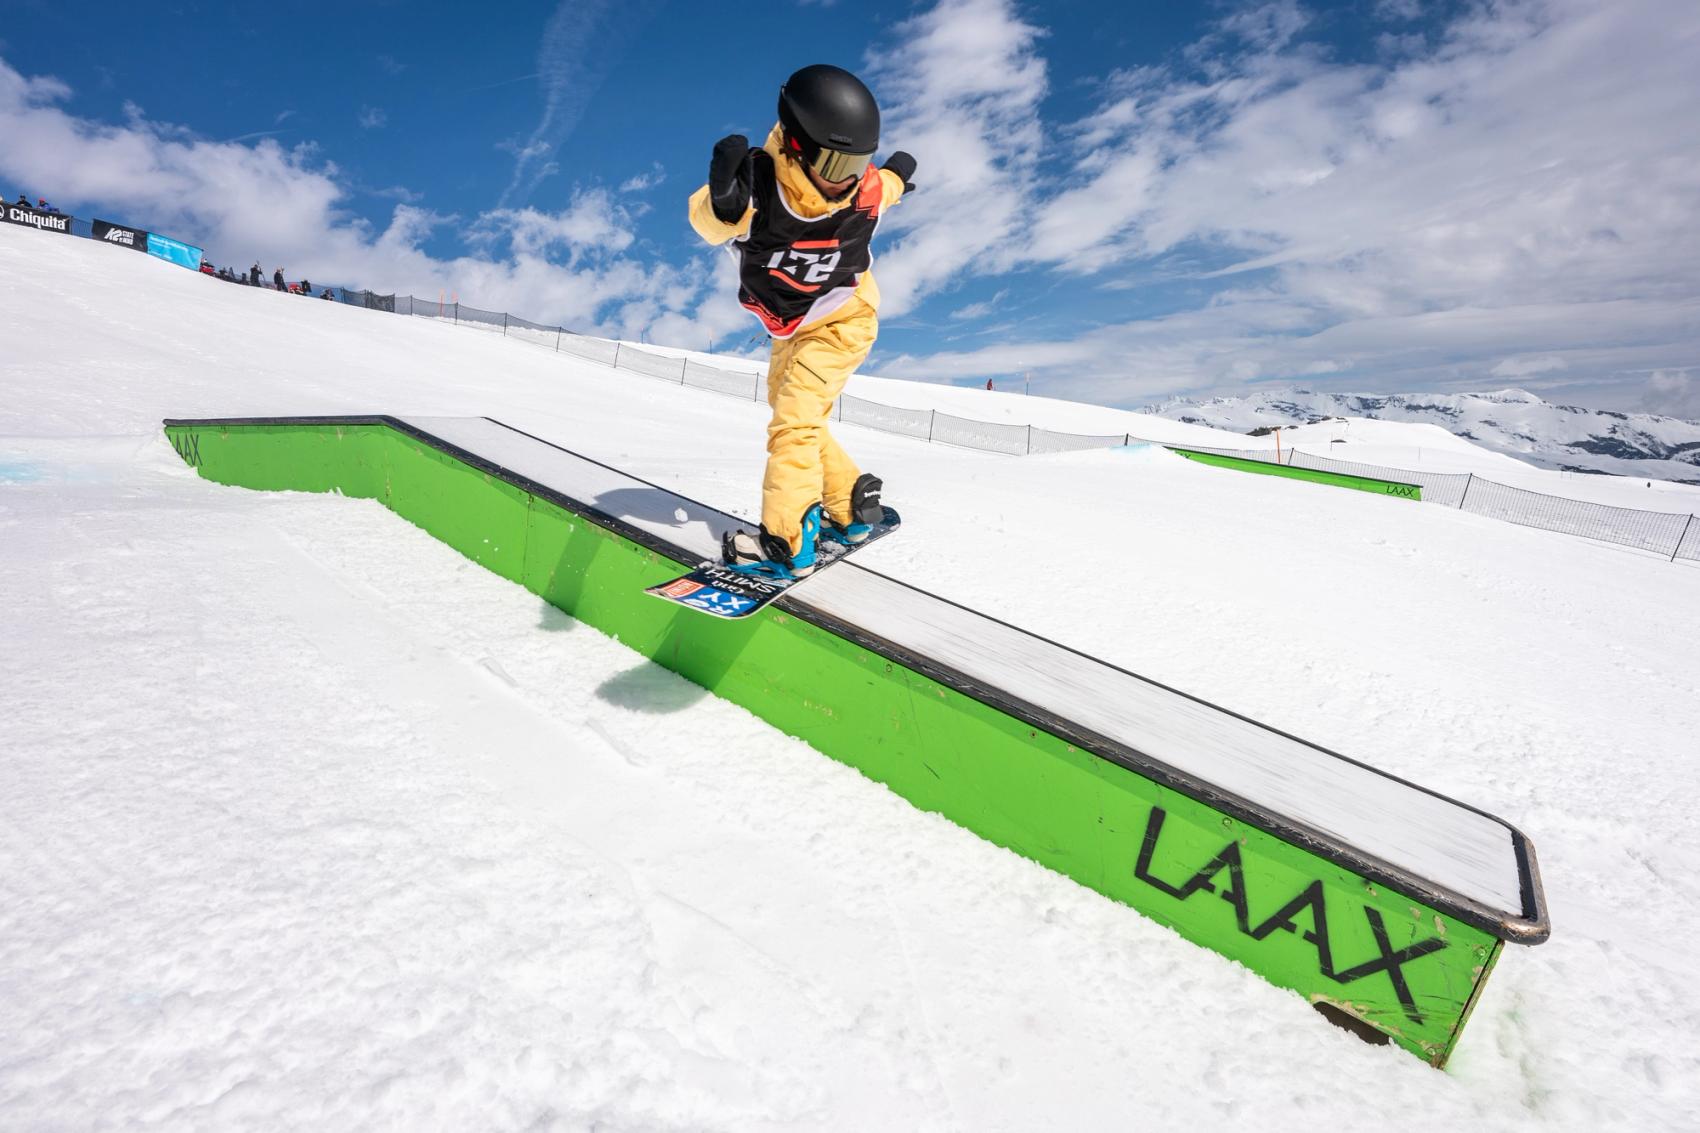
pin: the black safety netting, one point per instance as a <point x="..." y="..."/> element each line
<point x="665" y="366"/>
<point x="717" y="380"/>
<point x="890" y="418"/>
<point x="1048" y="441"/>
<point x="989" y="436"/>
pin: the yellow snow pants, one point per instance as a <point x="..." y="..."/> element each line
<point x="805" y="465"/>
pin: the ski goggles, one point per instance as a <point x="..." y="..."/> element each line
<point x="833" y="166"/>
<point x="830" y="165"/>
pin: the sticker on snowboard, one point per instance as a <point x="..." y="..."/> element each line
<point x="715" y="588"/>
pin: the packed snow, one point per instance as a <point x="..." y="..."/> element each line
<point x="306" y="821"/>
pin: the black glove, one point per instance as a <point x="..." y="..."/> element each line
<point x="729" y="178"/>
<point x="903" y="165"/>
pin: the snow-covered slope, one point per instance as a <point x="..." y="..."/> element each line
<point x="307" y="822"/>
<point x="1511" y="421"/>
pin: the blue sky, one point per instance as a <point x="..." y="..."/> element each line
<point x="1130" y="201"/>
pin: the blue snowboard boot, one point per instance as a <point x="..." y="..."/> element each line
<point x="865" y="511"/>
<point x="768" y="555"/>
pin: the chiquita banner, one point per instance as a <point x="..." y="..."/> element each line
<point x="35" y="218"/>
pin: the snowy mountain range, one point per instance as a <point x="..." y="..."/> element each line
<point x="1512" y="421"/>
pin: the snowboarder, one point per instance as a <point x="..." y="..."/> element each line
<point x="277" y="280"/>
<point x="800" y="213"/>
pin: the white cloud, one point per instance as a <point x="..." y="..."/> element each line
<point x="285" y="206"/>
<point x="591" y="225"/>
<point x="580" y="45"/>
<point x="1522" y="366"/>
<point x="643" y="182"/>
<point x="1399" y="10"/>
<point x="1524" y="184"/>
<point x="1675" y="393"/>
<point x="960" y="89"/>
<point x="373" y="117"/>
<point x="981" y="309"/>
<point x="1268" y="27"/>
<point x="523" y="153"/>
<point x="972" y="311"/>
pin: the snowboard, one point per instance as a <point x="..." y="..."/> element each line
<point x="716" y="589"/>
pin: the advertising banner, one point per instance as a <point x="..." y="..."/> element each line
<point x="186" y="255"/>
<point x="35" y="218"/>
<point x="120" y="235"/>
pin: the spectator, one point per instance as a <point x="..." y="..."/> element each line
<point x="23" y="200"/>
<point x="277" y="280"/>
<point x="988" y="383"/>
<point x="306" y="288"/>
<point x="207" y="268"/>
<point x="254" y="275"/>
<point x="328" y="295"/>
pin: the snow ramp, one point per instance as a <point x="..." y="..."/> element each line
<point x="1383" y="903"/>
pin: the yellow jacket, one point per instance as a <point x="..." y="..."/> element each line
<point x="804" y="200"/>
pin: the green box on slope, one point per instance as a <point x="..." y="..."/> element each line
<point x="1304" y="912"/>
<point x="1314" y="475"/>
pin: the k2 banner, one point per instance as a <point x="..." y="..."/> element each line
<point x="185" y="255"/>
<point x="35" y="218"/>
<point x="120" y="235"/>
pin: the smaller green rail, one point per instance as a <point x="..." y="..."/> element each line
<point x="1314" y="475"/>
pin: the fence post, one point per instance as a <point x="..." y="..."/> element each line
<point x="841" y="409"/>
<point x="684" y="364"/>
<point x="557" y="340"/>
<point x="1127" y="438"/>
<point x="457" y="312"/>
<point x="755" y="394"/>
<point x="504" y="324"/>
<point x="1029" y="440"/>
<point x="1468" y="480"/>
<point x="1681" y="539"/>
<point x="932" y="415"/>
<point x="616" y="355"/>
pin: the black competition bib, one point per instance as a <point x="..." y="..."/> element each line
<point x="794" y="269"/>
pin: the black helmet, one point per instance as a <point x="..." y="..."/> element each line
<point x="831" y="121"/>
